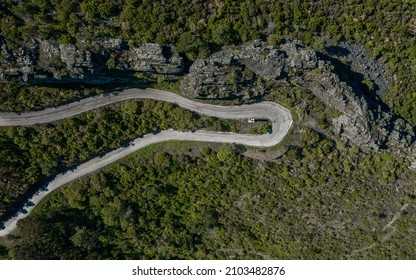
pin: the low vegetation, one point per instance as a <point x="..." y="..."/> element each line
<point x="18" y="98"/>
<point x="200" y="202"/>
<point x="30" y="155"/>
<point x="321" y="199"/>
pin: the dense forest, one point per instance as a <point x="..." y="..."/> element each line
<point x="31" y="155"/>
<point x="321" y="198"/>
<point x="200" y="201"/>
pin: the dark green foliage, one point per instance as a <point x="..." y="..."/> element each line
<point x="16" y="98"/>
<point x="262" y="129"/>
<point x="31" y="154"/>
<point x="199" y="203"/>
<point x="193" y="45"/>
<point x="322" y="199"/>
<point x="385" y="27"/>
<point x="4" y="253"/>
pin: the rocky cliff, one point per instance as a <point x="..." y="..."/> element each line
<point x="364" y="120"/>
<point x="335" y="76"/>
<point x="96" y="62"/>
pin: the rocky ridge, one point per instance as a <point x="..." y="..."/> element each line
<point x="98" y="62"/>
<point x="335" y="76"/>
<point x="364" y="120"/>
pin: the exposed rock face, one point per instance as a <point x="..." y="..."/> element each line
<point x="355" y="56"/>
<point x="151" y="58"/>
<point x="233" y="73"/>
<point x="222" y="77"/>
<point x="45" y="61"/>
<point x="210" y="78"/>
<point x="363" y="120"/>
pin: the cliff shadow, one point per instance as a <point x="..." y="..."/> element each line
<point x="356" y="80"/>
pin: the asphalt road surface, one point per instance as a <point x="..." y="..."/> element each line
<point x="279" y="116"/>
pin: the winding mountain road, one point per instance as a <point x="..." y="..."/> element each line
<point x="279" y="116"/>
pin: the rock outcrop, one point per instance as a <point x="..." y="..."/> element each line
<point x="355" y="56"/>
<point x="97" y="62"/>
<point x="223" y="76"/>
<point x="211" y="78"/>
<point x="364" y="120"/>
<point x="243" y="72"/>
